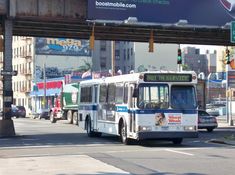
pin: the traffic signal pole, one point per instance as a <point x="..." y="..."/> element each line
<point x="228" y="90"/>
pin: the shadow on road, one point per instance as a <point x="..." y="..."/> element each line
<point x="56" y="139"/>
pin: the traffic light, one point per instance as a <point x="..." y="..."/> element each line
<point x="151" y="42"/>
<point x="179" y="57"/>
<point x="227" y="56"/>
<point x="92" y="42"/>
<point x="92" y="38"/>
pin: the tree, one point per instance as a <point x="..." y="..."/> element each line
<point x="87" y="66"/>
<point x="185" y="67"/>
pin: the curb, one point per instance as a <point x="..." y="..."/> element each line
<point x="227" y="142"/>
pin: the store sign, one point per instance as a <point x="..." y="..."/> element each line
<point x="62" y="46"/>
<point x="196" y="12"/>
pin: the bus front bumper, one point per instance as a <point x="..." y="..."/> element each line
<point x="166" y="135"/>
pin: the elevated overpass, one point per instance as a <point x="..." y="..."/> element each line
<point x="68" y="18"/>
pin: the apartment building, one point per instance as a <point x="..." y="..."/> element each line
<point x="120" y="54"/>
<point x="22" y="61"/>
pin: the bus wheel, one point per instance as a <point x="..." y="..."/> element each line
<point x="69" y="117"/>
<point x="75" y="118"/>
<point x="52" y="119"/>
<point x="88" y="128"/>
<point x="98" y="134"/>
<point x="177" y="141"/>
<point x="123" y="135"/>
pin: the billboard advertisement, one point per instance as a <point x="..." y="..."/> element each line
<point x="212" y="13"/>
<point x="62" y="46"/>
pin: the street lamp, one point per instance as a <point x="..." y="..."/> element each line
<point x="44" y="84"/>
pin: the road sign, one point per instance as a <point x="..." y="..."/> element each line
<point x="232" y="32"/>
<point x="12" y="73"/>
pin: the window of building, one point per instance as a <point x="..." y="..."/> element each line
<point x="29" y="67"/>
<point x="103" y="63"/>
<point x="124" y="54"/>
<point x="29" y="48"/>
<point x="117" y="54"/>
<point x="14" y="53"/>
<point x="103" y="46"/>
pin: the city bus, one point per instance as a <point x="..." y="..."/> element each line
<point x="140" y="106"/>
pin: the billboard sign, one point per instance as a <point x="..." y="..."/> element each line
<point x="232" y="32"/>
<point x="62" y="46"/>
<point x="212" y="13"/>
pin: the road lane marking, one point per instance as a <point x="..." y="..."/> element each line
<point x="179" y="152"/>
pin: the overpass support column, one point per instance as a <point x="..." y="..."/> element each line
<point x="6" y="124"/>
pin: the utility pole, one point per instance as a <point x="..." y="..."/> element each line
<point x="113" y="58"/>
<point x="44" y="84"/>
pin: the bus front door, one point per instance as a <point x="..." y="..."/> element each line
<point x="131" y="106"/>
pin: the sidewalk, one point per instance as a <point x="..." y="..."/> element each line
<point x="230" y="139"/>
<point x="224" y="124"/>
<point x="58" y="164"/>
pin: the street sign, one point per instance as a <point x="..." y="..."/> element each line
<point x="11" y="73"/>
<point x="232" y="32"/>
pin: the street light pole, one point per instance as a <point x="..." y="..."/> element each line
<point x="227" y="100"/>
<point x="113" y="58"/>
<point x="44" y="87"/>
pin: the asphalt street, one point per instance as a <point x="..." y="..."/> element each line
<point x="63" y="149"/>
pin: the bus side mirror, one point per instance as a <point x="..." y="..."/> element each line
<point x="135" y="93"/>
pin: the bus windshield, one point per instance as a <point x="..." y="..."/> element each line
<point x="153" y="96"/>
<point x="183" y="97"/>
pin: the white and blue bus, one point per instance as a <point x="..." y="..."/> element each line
<point x="140" y="106"/>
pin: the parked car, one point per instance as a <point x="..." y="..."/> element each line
<point x="21" y="111"/>
<point x="206" y="121"/>
<point x="42" y="113"/>
<point x="18" y="111"/>
<point x="214" y="109"/>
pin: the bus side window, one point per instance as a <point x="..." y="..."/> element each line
<point x="131" y="98"/>
<point x="111" y="93"/>
<point x="86" y="94"/>
<point x="125" y="100"/>
<point x="96" y="94"/>
<point x="103" y="94"/>
<point x="119" y="93"/>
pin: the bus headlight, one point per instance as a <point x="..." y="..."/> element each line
<point x="145" y="128"/>
<point x="189" y="128"/>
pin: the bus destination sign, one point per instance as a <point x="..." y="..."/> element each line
<point x="167" y="77"/>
